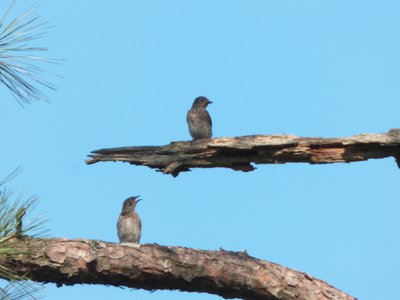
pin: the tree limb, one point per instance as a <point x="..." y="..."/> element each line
<point x="238" y="153"/>
<point x="151" y="266"/>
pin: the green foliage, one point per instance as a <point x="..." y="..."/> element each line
<point x="19" y="291"/>
<point x="12" y="212"/>
<point x="21" y="69"/>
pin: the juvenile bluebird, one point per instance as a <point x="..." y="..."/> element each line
<point x="129" y="225"/>
<point x="199" y="120"/>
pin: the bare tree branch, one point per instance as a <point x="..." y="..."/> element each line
<point x="151" y="266"/>
<point x="238" y="153"/>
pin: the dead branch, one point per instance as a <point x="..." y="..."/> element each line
<point x="238" y="153"/>
<point x="151" y="266"/>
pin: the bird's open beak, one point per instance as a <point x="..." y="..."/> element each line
<point x="137" y="199"/>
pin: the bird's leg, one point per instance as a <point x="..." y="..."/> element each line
<point x="131" y="245"/>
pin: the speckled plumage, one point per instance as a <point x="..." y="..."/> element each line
<point x="198" y="119"/>
<point x="129" y="225"/>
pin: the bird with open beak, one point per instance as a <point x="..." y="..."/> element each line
<point x="129" y="225"/>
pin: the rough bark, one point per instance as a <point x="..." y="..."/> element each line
<point x="238" y="153"/>
<point x="151" y="266"/>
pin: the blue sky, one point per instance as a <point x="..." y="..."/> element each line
<point x="132" y="70"/>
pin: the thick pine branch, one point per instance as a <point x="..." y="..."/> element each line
<point x="153" y="267"/>
<point x="239" y="153"/>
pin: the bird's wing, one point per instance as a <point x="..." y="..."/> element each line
<point x="189" y="116"/>
<point x="208" y="118"/>
<point x="118" y="227"/>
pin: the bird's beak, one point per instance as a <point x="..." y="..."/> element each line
<point x="137" y="198"/>
<point x="210" y="102"/>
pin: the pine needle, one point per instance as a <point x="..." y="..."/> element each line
<point x="15" y="224"/>
<point x="21" y="66"/>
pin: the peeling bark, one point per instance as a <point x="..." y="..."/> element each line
<point x="238" y="153"/>
<point x="151" y="266"/>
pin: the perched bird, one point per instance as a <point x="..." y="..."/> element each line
<point x="199" y="120"/>
<point x="129" y="225"/>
